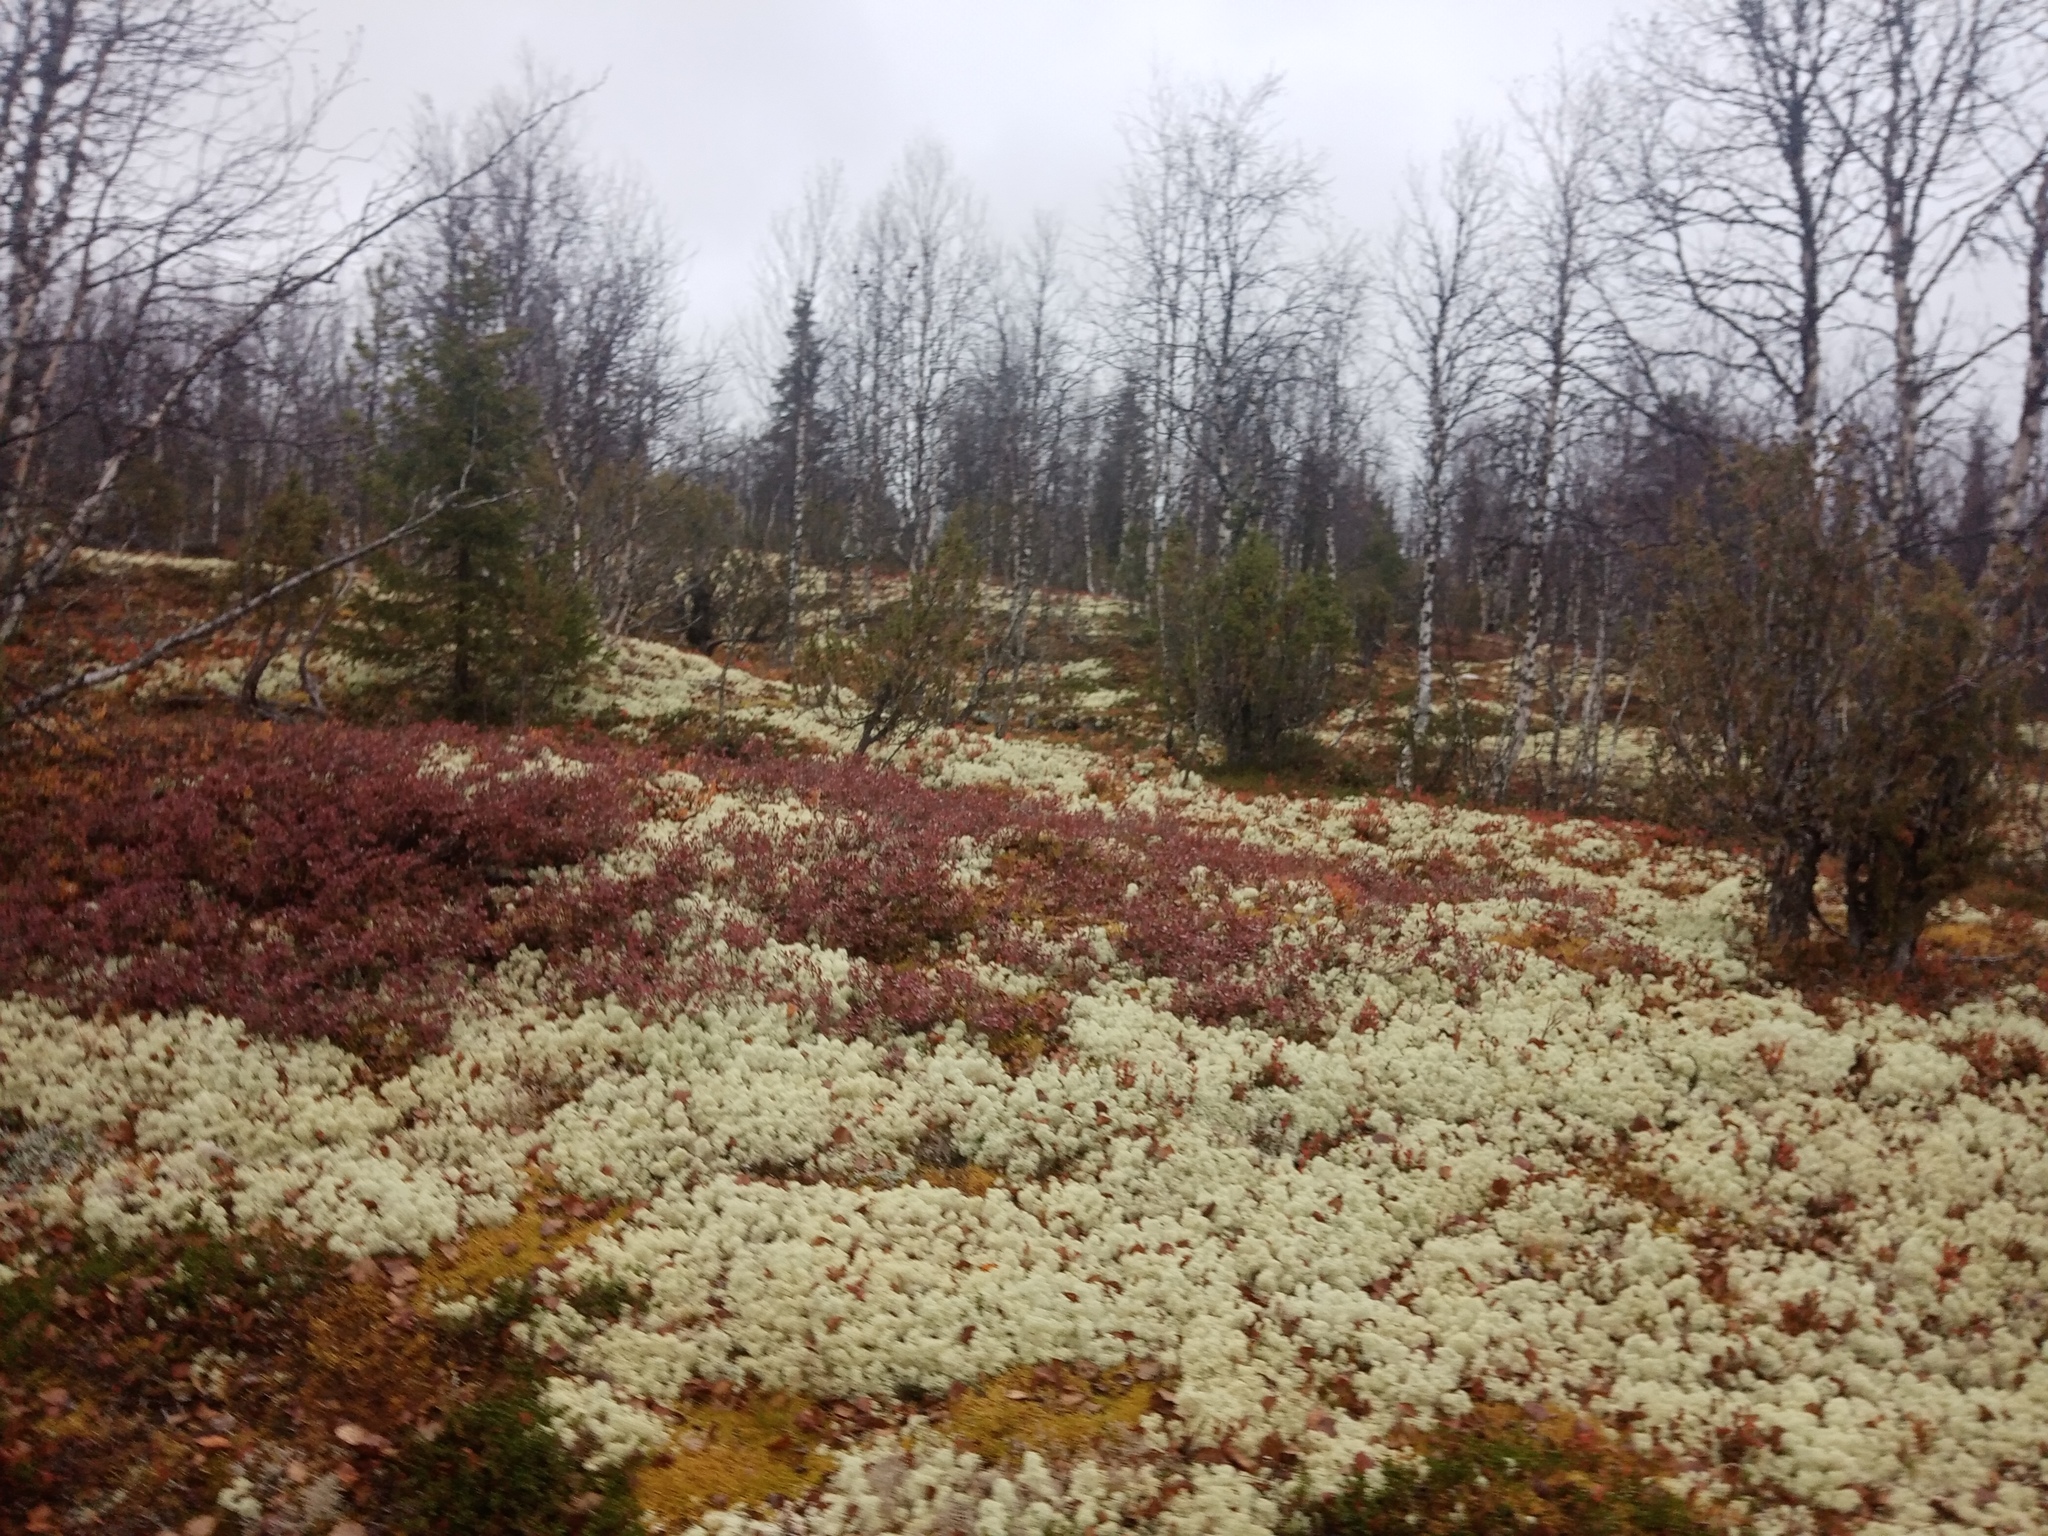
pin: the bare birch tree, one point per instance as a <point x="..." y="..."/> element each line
<point x="1933" y="75"/>
<point x="921" y="271"/>
<point x="805" y="243"/>
<point x="1223" y="289"/>
<point x="2028" y="240"/>
<point x="1446" y="296"/>
<point x="1565" y="132"/>
<point x="1745" y="181"/>
<point x="586" y="282"/>
<point x="1035" y="367"/>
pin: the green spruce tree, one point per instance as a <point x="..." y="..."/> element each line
<point x="1248" y="648"/>
<point x="469" y="622"/>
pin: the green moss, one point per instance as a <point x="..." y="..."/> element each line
<point x="497" y="1468"/>
<point x="1497" y="1475"/>
<point x="603" y="1301"/>
<point x="28" y="1303"/>
<point x="202" y="1282"/>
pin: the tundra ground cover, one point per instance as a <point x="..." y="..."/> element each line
<point x="1010" y="1138"/>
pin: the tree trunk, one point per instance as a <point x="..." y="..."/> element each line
<point x="799" y="493"/>
<point x="1425" y="643"/>
<point x="1790" y="875"/>
<point x="1541" y="521"/>
<point x="1593" y="711"/>
<point x="2026" y="437"/>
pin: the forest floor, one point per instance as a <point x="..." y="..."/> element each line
<point x="690" y="1124"/>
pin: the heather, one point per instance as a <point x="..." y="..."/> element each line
<point x="320" y="882"/>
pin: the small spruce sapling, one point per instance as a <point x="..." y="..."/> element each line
<point x="471" y="622"/>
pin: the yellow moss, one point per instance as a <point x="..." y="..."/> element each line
<point x="1566" y="949"/>
<point x="1055" y="1410"/>
<point x="1976" y="940"/>
<point x="359" y="1354"/>
<point x="79" y="1422"/>
<point x="973" y="1179"/>
<point x="1595" y="956"/>
<point x="1669" y="1210"/>
<point x="487" y="1255"/>
<point x="743" y="1454"/>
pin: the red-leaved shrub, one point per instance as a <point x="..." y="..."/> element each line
<point x="314" y="880"/>
<point x="340" y="883"/>
<point x="910" y="1001"/>
<point x="875" y="875"/>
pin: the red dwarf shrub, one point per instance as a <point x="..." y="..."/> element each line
<point x="336" y="882"/>
<point x="891" y="1001"/>
<point x="875" y="876"/>
<point x="307" y="880"/>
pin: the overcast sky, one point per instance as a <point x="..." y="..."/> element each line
<point x="721" y="108"/>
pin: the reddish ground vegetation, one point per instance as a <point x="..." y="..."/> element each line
<point x="1504" y="1468"/>
<point x="875" y="876"/>
<point x="1570" y="938"/>
<point x="1998" y="1060"/>
<point x="892" y="1000"/>
<point x="97" y="1388"/>
<point x="95" y="613"/>
<point x="135" y="1382"/>
<point x="298" y="878"/>
<point x="314" y="881"/>
<point x="1945" y="973"/>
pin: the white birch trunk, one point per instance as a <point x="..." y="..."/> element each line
<point x="2026" y="439"/>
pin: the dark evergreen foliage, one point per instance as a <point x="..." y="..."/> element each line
<point x="471" y="622"/>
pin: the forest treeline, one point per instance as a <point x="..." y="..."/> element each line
<point x="1711" y="376"/>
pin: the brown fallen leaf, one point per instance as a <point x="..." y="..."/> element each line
<point x="201" y="1525"/>
<point x="349" y="1528"/>
<point x="297" y="1472"/>
<point x="365" y="1272"/>
<point x="55" y="1399"/>
<point x="214" y="1442"/>
<point x="353" y="1434"/>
